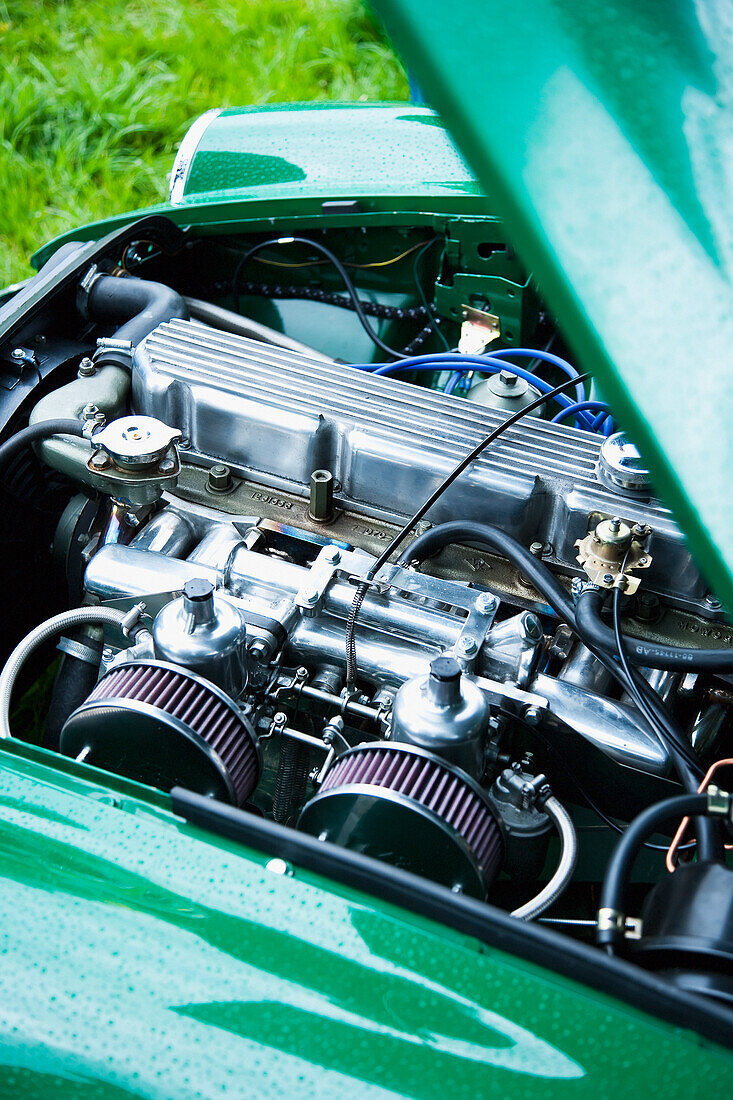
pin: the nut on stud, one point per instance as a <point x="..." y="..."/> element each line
<point x="219" y="479"/>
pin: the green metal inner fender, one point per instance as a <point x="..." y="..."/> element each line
<point x="602" y="131"/>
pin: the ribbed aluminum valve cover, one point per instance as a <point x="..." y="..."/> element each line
<point x="276" y="416"/>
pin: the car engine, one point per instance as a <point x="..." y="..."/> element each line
<point x="482" y="692"/>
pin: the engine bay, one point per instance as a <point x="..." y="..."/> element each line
<point x="422" y="604"/>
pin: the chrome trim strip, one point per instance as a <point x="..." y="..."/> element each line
<point x="186" y="151"/>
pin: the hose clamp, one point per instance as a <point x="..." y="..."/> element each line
<point x="131" y="619"/>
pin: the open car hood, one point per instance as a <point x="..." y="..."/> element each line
<point x="602" y="133"/>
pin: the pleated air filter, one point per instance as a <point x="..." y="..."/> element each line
<point x="413" y="810"/>
<point x="166" y="727"/>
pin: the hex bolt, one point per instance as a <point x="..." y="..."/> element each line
<point x="643" y="561"/>
<point x="17" y="353"/>
<point x="467" y="645"/>
<point x="167" y="465"/>
<point x="508" y="377"/>
<point x="259" y="650"/>
<point x="310" y="597"/>
<point x="712" y="602"/>
<point x="486" y="603"/>
<point x="320" y="508"/>
<point x="89" y="412"/>
<point x="99" y="461"/>
<point x="332" y="554"/>
<point x="536" y="548"/>
<point x="219" y="479"/>
<point x="533" y="716"/>
<point x="607" y="578"/>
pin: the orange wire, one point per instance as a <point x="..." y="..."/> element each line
<point x="672" y="851"/>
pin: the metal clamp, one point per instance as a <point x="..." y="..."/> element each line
<point x="610" y="920"/>
<point x="720" y="803"/>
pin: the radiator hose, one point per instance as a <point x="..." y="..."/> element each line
<point x="66" y="620"/>
<point x="141" y="305"/>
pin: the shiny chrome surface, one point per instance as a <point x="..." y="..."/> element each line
<point x="276" y="416"/>
<point x="396" y="636"/>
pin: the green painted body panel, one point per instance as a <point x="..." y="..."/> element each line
<point x="601" y="130"/>
<point x="144" y="958"/>
<point x="251" y="166"/>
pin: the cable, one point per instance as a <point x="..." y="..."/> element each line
<point x="452" y="382"/>
<point x="423" y="296"/>
<point x="484" y="363"/>
<point x="488" y="537"/>
<point x="358" y="267"/>
<point x="543" y="356"/>
<point x="361" y="591"/>
<point x="565" y="867"/>
<point x="611" y="911"/>
<point x="43" y="430"/>
<point x="648" y="654"/>
<point x="582" y="406"/>
<point x="710" y="845"/>
<point x="334" y="260"/>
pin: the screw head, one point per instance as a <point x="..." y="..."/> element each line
<point x="310" y="597"/>
<point x="486" y="603"/>
<point x="536" y="549"/>
<point x="467" y="645"/>
<point x="17" y="353"/>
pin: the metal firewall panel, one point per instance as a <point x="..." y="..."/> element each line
<point x="602" y="131"/>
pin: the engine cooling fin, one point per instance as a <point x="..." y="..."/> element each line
<point x="166" y="726"/>
<point x="410" y="808"/>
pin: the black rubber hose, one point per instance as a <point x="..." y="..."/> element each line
<point x="74" y="682"/>
<point x="587" y="610"/>
<point x="140" y="304"/>
<point x="487" y="537"/>
<point x="43" y="430"/>
<point x="613" y="891"/>
<point x="648" y="654"/>
<point x="484" y="536"/>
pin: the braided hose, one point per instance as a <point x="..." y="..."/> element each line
<point x="565" y="868"/>
<point x="79" y="616"/>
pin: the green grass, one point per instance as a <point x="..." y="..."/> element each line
<point x="96" y="96"/>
